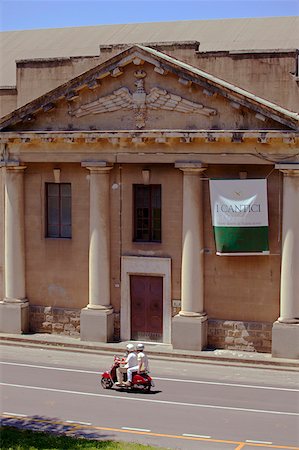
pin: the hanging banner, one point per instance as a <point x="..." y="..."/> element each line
<point x="240" y="216"/>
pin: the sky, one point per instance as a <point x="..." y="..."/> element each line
<point x="23" y="14"/>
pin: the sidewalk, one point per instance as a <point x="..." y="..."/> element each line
<point x="155" y="350"/>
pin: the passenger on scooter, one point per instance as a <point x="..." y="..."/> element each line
<point x="142" y="364"/>
<point x="130" y="361"/>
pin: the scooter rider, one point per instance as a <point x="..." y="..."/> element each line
<point x="142" y="364"/>
<point x="130" y="361"/>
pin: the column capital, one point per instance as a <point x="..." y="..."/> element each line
<point x="194" y="167"/>
<point x="189" y="165"/>
<point x="288" y="169"/>
<point x="13" y="166"/>
<point x="97" y="166"/>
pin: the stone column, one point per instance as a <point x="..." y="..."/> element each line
<point x="2" y="175"/>
<point x="15" y="306"/>
<point x="285" y="332"/>
<point x="189" y="328"/>
<point x="97" y="318"/>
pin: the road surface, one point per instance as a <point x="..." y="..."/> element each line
<point x="192" y="406"/>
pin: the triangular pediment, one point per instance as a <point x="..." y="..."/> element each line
<point x="142" y="88"/>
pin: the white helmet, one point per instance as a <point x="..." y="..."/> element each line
<point x="130" y="347"/>
<point x="140" y="346"/>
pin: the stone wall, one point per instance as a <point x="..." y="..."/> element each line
<point x="116" y="334"/>
<point x="239" y="335"/>
<point x="222" y="334"/>
<point x="47" y="319"/>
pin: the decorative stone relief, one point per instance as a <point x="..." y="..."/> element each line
<point x="139" y="101"/>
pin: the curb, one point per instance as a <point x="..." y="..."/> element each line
<point x="195" y="357"/>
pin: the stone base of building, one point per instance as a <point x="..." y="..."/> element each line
<point x="49" y="319"/>
<point x="285" y="339"/>
<point x="189" y="333"/>
<point x="96" y="325"/>
<point x="240" y="335"/>
<point x="14" y="317"/>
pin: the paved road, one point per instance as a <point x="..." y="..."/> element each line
<point x="193" y="406"/>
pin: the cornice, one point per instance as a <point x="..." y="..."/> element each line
<point x="141" y="137"/>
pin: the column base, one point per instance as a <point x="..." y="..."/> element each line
<point x="14" y="316"/>
<point x="189" y="333"/>
<point x="96" y="325"/>
<point x="284" y="338"/>
<point x="288" y="321"/>
<point x="99" y="307"/>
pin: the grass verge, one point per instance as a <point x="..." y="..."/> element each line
<point x="15" y="439"/>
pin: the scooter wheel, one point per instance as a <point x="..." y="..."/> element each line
<point x="147" y="388"/>
<point x="106" y="383"/>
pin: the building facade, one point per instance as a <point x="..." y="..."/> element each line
<point x="106" y="213"/>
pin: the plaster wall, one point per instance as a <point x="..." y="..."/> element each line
<point x="244" y="288"/>
<point x="270" y="77"/>
<point x="236" y="288"/>
<point x="56" y="269"/>
<point x="170" y="247"/>
<point x="8" y="101"/>
<point x="35" y="78"/>
<point x="63" y="117"/>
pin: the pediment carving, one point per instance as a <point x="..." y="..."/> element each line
<point x="140" y="101"/>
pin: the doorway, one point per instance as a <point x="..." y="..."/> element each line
<point x="146" y="308"/>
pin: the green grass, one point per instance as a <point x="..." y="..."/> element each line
<point x="16" y="439"/>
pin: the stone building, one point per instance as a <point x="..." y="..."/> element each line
<point x="111" y="137"/>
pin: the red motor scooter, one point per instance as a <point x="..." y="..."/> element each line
<point x="141" y="381"/>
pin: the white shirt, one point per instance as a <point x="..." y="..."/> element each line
<point x="131" y="360"/>
<point x="142" y="358"/>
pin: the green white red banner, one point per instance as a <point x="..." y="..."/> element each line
<point x="240" y="216"/>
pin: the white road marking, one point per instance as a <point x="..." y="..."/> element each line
<point x="14" y="414"/>
<point x="196" y="435"/>
<point x="258" y="442"/>
<point x="217" y="383"/>
<point x="80" y="423"/>
<point x="135" y="429"/>
<point x="178" y="380"/>
<point x="62" y="369"/>
<point x="165" y="402"/>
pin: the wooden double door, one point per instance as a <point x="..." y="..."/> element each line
<point x="146" y="308"/>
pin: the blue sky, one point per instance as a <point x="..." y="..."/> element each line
<point x="23" y="14"/>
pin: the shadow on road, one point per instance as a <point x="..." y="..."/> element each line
<point x="136" y="391"/>
<point x="54" y="426"/>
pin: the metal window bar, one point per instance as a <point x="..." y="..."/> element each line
<point x="147" y="213"/>
<point x="58" y="210"/>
